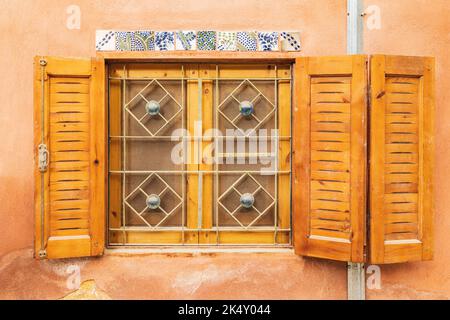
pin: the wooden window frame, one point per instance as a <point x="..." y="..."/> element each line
<point x="100" y="66"/>
<point x="194" y="57"/>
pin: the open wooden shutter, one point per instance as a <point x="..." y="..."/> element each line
<point x="401" y="160"/>
<point x="69" y="123"/>
<point x="329" y="139"/>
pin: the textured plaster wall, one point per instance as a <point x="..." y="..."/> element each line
<point x="421" y="27"/>
<point x="38" y="27"/>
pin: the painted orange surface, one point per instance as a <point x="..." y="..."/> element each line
<point x="29" y="28"/>
<point x="421" y="28"/>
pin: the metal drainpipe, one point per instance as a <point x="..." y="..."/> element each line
<point x="355" y="24"/>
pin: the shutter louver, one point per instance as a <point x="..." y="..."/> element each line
<point x="402" y="116"/>
<point x="71" y="100"/>
<point x="330" y="157"/>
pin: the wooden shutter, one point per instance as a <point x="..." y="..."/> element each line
<point x="70" y="193"/>
<point x="329" y="140"/>
<point x="401" y="160"/>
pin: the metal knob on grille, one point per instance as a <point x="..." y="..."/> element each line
<point x="246" y="108"/>
<point x="247" y="200"/>
<point x="153" y="201"/>
<point x="152" y="107"/>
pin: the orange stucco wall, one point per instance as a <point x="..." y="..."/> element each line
<point x="421" y="27"/>
<point x="38" y="27"/>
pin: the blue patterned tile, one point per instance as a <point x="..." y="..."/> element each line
<point x="164" y="41"/>
<point x="226" y="41"/>
<point x="144" y="40"/>
<point x="186" y="40"/>
<point x="135" y="40"/>
<point x="105" y="40"/>
<point x="124" y="41"/>
<point x="290" y="41"/>
<point x="206" y="40"/>
<point x="268" y="41"/>
<point x="246" y="41"/>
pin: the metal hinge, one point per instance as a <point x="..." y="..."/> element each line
<point x="43" y="157"/>
<point x="42" y="254"/>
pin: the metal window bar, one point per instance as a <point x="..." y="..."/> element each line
<point x="124" y="146"/>
<point x="216" y="172"/>
<point x="126" y="113"/>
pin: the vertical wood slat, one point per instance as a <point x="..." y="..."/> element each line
<point x="206" y="72"/>
<point x="115" y="161"/>
<point x="75" y="133"/>
<point x="284" y="152"/>
<point x="402" y="153"/>
<point x="329" y="157"/>
<point x="192" y="202"/>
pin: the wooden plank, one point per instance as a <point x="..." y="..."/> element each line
<point x="377" y="157"/>
<point x="192" y="71"/>
<point x="145" y="238"/>
<point x="404" y="253"/>
<point x="200" y="56"/>
<point x="245" y="71"/>
<point x="331" y="166"/>
<point x="427" y="137"/>
<point x="40" y="135"/>
<point x="76" y="136"/>
<point x="207" y="71"/>
<point x="284" y="155"/>
<point x="69" y="67"/>
<point x="98" y="169"/>
<point x="252" y="238"/>
<point x="358" y="169"/>
<point x="146" y="70"/>
<point x="115" y="160"/>
<point x="69" y="248"/>
<point x="301" y="159"/>
<point x="398" y="192"/>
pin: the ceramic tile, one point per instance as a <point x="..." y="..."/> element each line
<point x="109" y="40"/>
<point x="268" y="41"/>
<point x="144" y="40"/>
<point x="185" y="40"/>
<point x="246" y="41"/>
<point x="135" y="40"/>
<point x="124" y="40"/>
<point x="206" y="40"/>
<point x="164" y="41"/>
<point x="105" y="40"/>
<point x="226" y="41"/>
<point x="290" y="41"/>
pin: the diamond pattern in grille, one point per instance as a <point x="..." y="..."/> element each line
<point x="140" y="189"/>
<point x="235" y="188"/>
<point x="146" y="117"/>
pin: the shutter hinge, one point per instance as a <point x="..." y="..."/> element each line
<point x="43" y="157"/>
<point x="42" y="254"/>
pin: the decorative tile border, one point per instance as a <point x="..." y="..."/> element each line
<point x="105" y="40"/>
<point x="247" y="41"/>
<point x="206" y="40"/>
<point x="268" y="41"/>
<point x="290" y="41"/>
<point x="145" y="40"/>
<point x="226" y="41"/>
<point x="186" y="40"/>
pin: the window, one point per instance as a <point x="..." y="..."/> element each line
<point x="86" y="174"/>
<point x="199" y="154"/>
